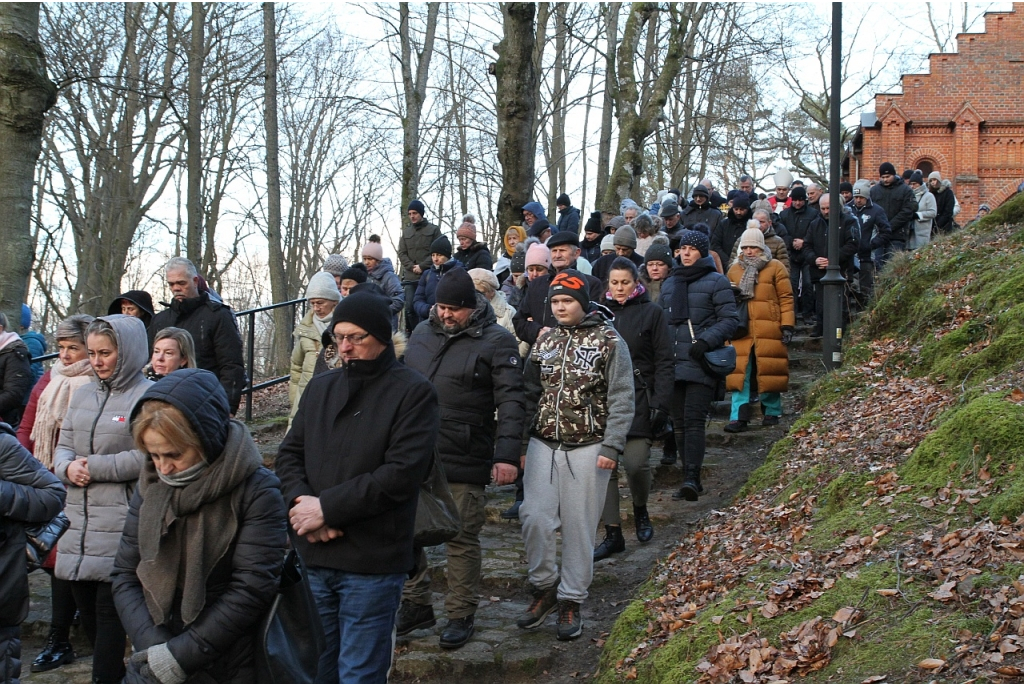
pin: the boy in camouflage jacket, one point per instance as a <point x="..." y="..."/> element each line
<point x="579" y="394"/>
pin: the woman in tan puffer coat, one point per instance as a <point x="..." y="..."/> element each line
<point x="323" y="296"/>
<point x="762" y="360"/>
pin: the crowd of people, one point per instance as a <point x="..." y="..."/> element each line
<point x="549" y="368"/>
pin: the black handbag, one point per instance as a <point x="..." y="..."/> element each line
<point x="291" y="635"/>
<point x="437" y="515"/>
<point x="41" y="538"/>
<point x="719" y="362"/>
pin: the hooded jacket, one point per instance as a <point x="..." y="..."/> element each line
<point x="304" y="353"/>
<point x="240" y="586"/>
<point x="217" y="340"/>
<point x="425" y="297"/>
<point x="477" y="374"/>
<point x="875" y="232"/>
<point x="476" y="256"/>
<point x="534" y="310"/>
<point x="569" y="220"/>
<point x="579" y="386"/>
<point x="945" y="204"/>
<point x="414" y="248"/>
<point x="924" y="217"/>
<point x="384" y="275"/>
<point x="97" y="426"/>
<point x="725" y="235"/>
<point x="769" y="311"/>
<point x="694" y="214"/>
<point x="28" y="494"/>
<point x="15" y="377"/>
<point x="796" y="222"/>
<point x="140" y="298"/>
<point x="899" y="204"/>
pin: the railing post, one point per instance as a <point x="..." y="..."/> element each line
<point x="252" y="354"/>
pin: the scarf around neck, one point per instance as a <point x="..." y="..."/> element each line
<point x="638" y="290"/>
<point x="751" y="267"/>
<point x="683" y="276"/>
<point x="189" y="529"/>
<point x="52" y="405"/>
<point x="321" y="324"/>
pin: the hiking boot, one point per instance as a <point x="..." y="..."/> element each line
<point x="690" y="491"/>
<point x="669" y="459"/>
<point x="512" y="512"/>
<point x="770" y="420"/>
<point x="414" y="617"/>
<point x="735" y="426"/>
<point x="613" y="543"/>
<point x="644" y="529"/>
<point x="457" y="632"/>
<point x="544" y="602"/>
<point x="54" y="655"/>
<point x="570" y="620"/>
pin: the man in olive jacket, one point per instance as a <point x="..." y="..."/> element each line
<point x="414" y="256"/>
<point x="351" y="467"/>
<point x="474" y="365"/>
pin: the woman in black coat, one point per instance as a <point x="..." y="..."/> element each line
<point x="641" y="323"/>
<point x="203" y="546"/>
<point x="701" y="311"/>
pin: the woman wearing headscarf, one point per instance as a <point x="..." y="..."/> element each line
<point x="762" y="360"/>
<point x="97" y="461"/>
<point x="200" y="560"/>
<point x="323" y="296"/>
<point x="38" y="433"/>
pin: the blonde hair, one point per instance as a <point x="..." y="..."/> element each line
<point x="185" y="343"/>
<point x="168" y="421"/>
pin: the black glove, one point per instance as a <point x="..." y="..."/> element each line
<point x="698" y="349"/>
<point x="659" y="421"/>
<point x="787" y="335"/>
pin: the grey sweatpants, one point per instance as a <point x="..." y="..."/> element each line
<point x="636" y="459"/>
<point x="564" y="489"/>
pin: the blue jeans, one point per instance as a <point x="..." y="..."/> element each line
<point x="358" y="612"/>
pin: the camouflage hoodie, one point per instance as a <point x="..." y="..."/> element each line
<point x="579" y="385"/>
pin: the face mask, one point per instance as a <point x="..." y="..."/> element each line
<point x="183" y="478"/>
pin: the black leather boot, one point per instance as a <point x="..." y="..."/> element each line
<point x="644" y="529"/>
<point x="612" y="544"/>
<point x="457" y="632"/>
<point x="54" y="655"/>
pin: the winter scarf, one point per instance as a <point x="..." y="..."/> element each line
<point x="751" y="267"/>
<point x="189" y="529"/>
<point x="53" y="405"/>
<point x="637" y="292"/>
<point x="7" y="337"/>
<point x="321" y="324"/>
<point x="684" y="276"/>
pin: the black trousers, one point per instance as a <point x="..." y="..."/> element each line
<point x="103" y="627"/>
<point x="691" y="403"/>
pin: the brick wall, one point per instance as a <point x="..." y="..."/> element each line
<point x="965" y="118"/>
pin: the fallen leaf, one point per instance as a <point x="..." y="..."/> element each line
<point x="844" y="615"/>
<point x="1010" y="670"/>
<point x="931" y="664"/>
<point x="874" y="679"/>
<point x="888" y="592"/>
<point x="717" y="619"/>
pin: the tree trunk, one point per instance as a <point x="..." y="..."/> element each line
<point x="278" y="283"/>
<point x="25" y="95"/>
<point x="604" y="149"/>
<point x="194" y="133"/>
<point x="516" y="93"/>
<point x="415" y="86"/>
<point x="556" y="167"/>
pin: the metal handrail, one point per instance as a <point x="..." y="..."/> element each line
<point x="251" y="351"/>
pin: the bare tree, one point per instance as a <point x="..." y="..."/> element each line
<point x="604" y="154"/>
<point x="415" y="88"/>
<point x="25" y="95"/>
<point x="194" y="133"/>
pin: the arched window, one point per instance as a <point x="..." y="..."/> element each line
<point x="926" y="166"/>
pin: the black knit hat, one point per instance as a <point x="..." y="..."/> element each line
<point x="741" y="201"/>
<point x="917" y="177"/>
<point x="695" y="239"/>
<point x="356" y="272"/>
<point x="563" y="200"/>
<point x="659" y="252"/>
<point x="907" y="173"/>
<point x="700" y="190"/>
<point x="456" y="289"/>
<point x="845" y="187"/>
<point x="442" y="246"/>
<point x="594" y="224"/>
<point x="798" y="193"/>
<point x="886" y="168"/>
<point x="369" y="311"/>
<point x="571" y="282"/>
<point x="563" y="238"/>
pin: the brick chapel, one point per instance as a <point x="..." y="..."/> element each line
<point x="964" y="119"/>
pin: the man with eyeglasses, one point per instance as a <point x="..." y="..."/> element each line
<point x="474" y="365"/>
<point x="351" y="467"/>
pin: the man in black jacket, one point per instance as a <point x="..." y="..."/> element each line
<point x="700" y="209"/>
<point x="474" y="365"/>
<point x="898" y="202"/>
<point x="727" y="232"/>
<point x="534" y="315"/>
<point x="814" y="253"/>
<point x="797" y="218"/>
<point x="945" y="203"/>
<point x="212" y="326"/>
<point x="351" y="467"/>
<point x="414" y="255"/>
<point x="875" y="234"/>
<point x="568" y="216"/>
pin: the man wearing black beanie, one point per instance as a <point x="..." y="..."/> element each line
<point x="414" y="255"/>
<point x="898" y="202"/>
<point x="482" y="422"/>
<point x="568" y="216"/>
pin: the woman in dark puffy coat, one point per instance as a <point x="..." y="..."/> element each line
<point x="641" y="323"/>
<point x="201" y="555"/>
<point x="699" y="299"/>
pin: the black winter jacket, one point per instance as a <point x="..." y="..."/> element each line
<point x="217" y="340"/>
<point x="28" y="494"/>
<point x="945" y="203"/>
<point x="476" y="373"/>
<point x="816" y="244"/>
<point x="642" y="324"/>
<point x="712" y="308"/>
<point x="603" y="266"/>
<point x="534" y="312"/>
<point x="796" y="222"/>
<point x="725" y="235"/>
<point x="16" y="380"/>
<point x="591" y="251"/>
<point x="875" y="232"/>
<point x="362" y="440"/>
<point x="569" y="220"/>
<point x="692" y="214"/>
<point x="477" y="256"/>
<point x="900" y="206"/>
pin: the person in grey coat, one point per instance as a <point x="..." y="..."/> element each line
<point x="97" y="460"/>
<point x="29" y="494"/>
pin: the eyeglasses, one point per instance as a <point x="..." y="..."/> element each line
<point x="354" y="338"/>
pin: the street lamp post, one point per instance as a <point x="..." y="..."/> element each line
<point x="833" y="281"/>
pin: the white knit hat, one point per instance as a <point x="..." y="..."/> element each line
<point x="322" y="286"/>
<point x="752" y="237"/>
<point x="608" y="242"/>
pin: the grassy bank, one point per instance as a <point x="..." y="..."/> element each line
<point x="881" y="537"/>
